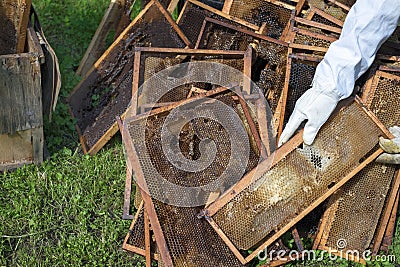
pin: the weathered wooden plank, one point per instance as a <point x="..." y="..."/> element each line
<point x="20" y="93"/>
<point x="16" y="147"/>
<point x="37" y="144"/>
<point x="19" y="148"/>
<point x="34" y="44"/>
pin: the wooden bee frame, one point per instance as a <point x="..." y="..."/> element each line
<point x="281" y="154"/>
<point x="109" y="81"/>
<point x="389" y="185"/>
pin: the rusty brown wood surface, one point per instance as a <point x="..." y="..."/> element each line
<point x="14" y="21"/>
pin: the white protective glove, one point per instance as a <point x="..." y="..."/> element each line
<point x="368" y="24"/>
<point x="391" y="147"/>
<point x="315" y="105"/>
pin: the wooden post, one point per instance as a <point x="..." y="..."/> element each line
<point x="97" y="46"/>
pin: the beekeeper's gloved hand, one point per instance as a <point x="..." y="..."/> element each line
<point x="315" y="106"/>
<point x="391" y="147"/>
<point x="368" y="24"/>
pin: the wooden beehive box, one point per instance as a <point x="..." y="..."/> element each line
<point x="21" y="119"/>
<point x="13" y="20"/>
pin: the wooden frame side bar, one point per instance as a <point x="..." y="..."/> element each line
<point x="347" y="8"/>
<point x="318" y="25"/>
<point x="386" y="214"/>
<point x="314" y="34"/>
<point x="387" y="75"/>
<point x="327" y="16"/>
<point x="148" y="202"/>
<point x="25" y="8"/>
<point x="391" y="227"/>
<point x="387" y="57"/>
<point x="389" y="68"/>
<point x="188" y="51"/>
<point x="147" y="239"/>
<point x="262" y="119"/>
<point x="176" y="104"/>
<point x="201" y="33"/>
<point x="369" y="90"/>
<point x="283" y="100"/>
<point x="128" y="183"/>
<point x="253" y="128"/>
<point x="227" y="6"/>
<point x="325" y="226"/>
<point x="306" y="57"/>
<point x="243" y="30"/>
<point x="220" y="13"/>
<point x="172" y="5"/>
<point x="308" y="47"/>
<point x="135" y="82"/>
<point x="127" y="195"/>
<point x="134" y="249"/>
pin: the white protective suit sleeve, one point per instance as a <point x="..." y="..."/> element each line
<point x="368" y="25"/>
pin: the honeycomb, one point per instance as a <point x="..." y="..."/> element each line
<point x="190" y="240"/>
<point x="304" y="39"/>
<point x="258" y="12"/>
<point x="155" y="161"/>
<point x="381" y="102"/>
<point x="278" y="195"/>
<point x="301" y="76"/>
<point x="269" y="57"/>
<point x="358" y="206"/>
<point x="330" y="8"/>
<point x="107" y="91"/>
<point x="154" y="62"/>
<point x="192" y="17"/>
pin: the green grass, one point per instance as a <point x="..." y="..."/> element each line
<point x="67" y="211"/>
